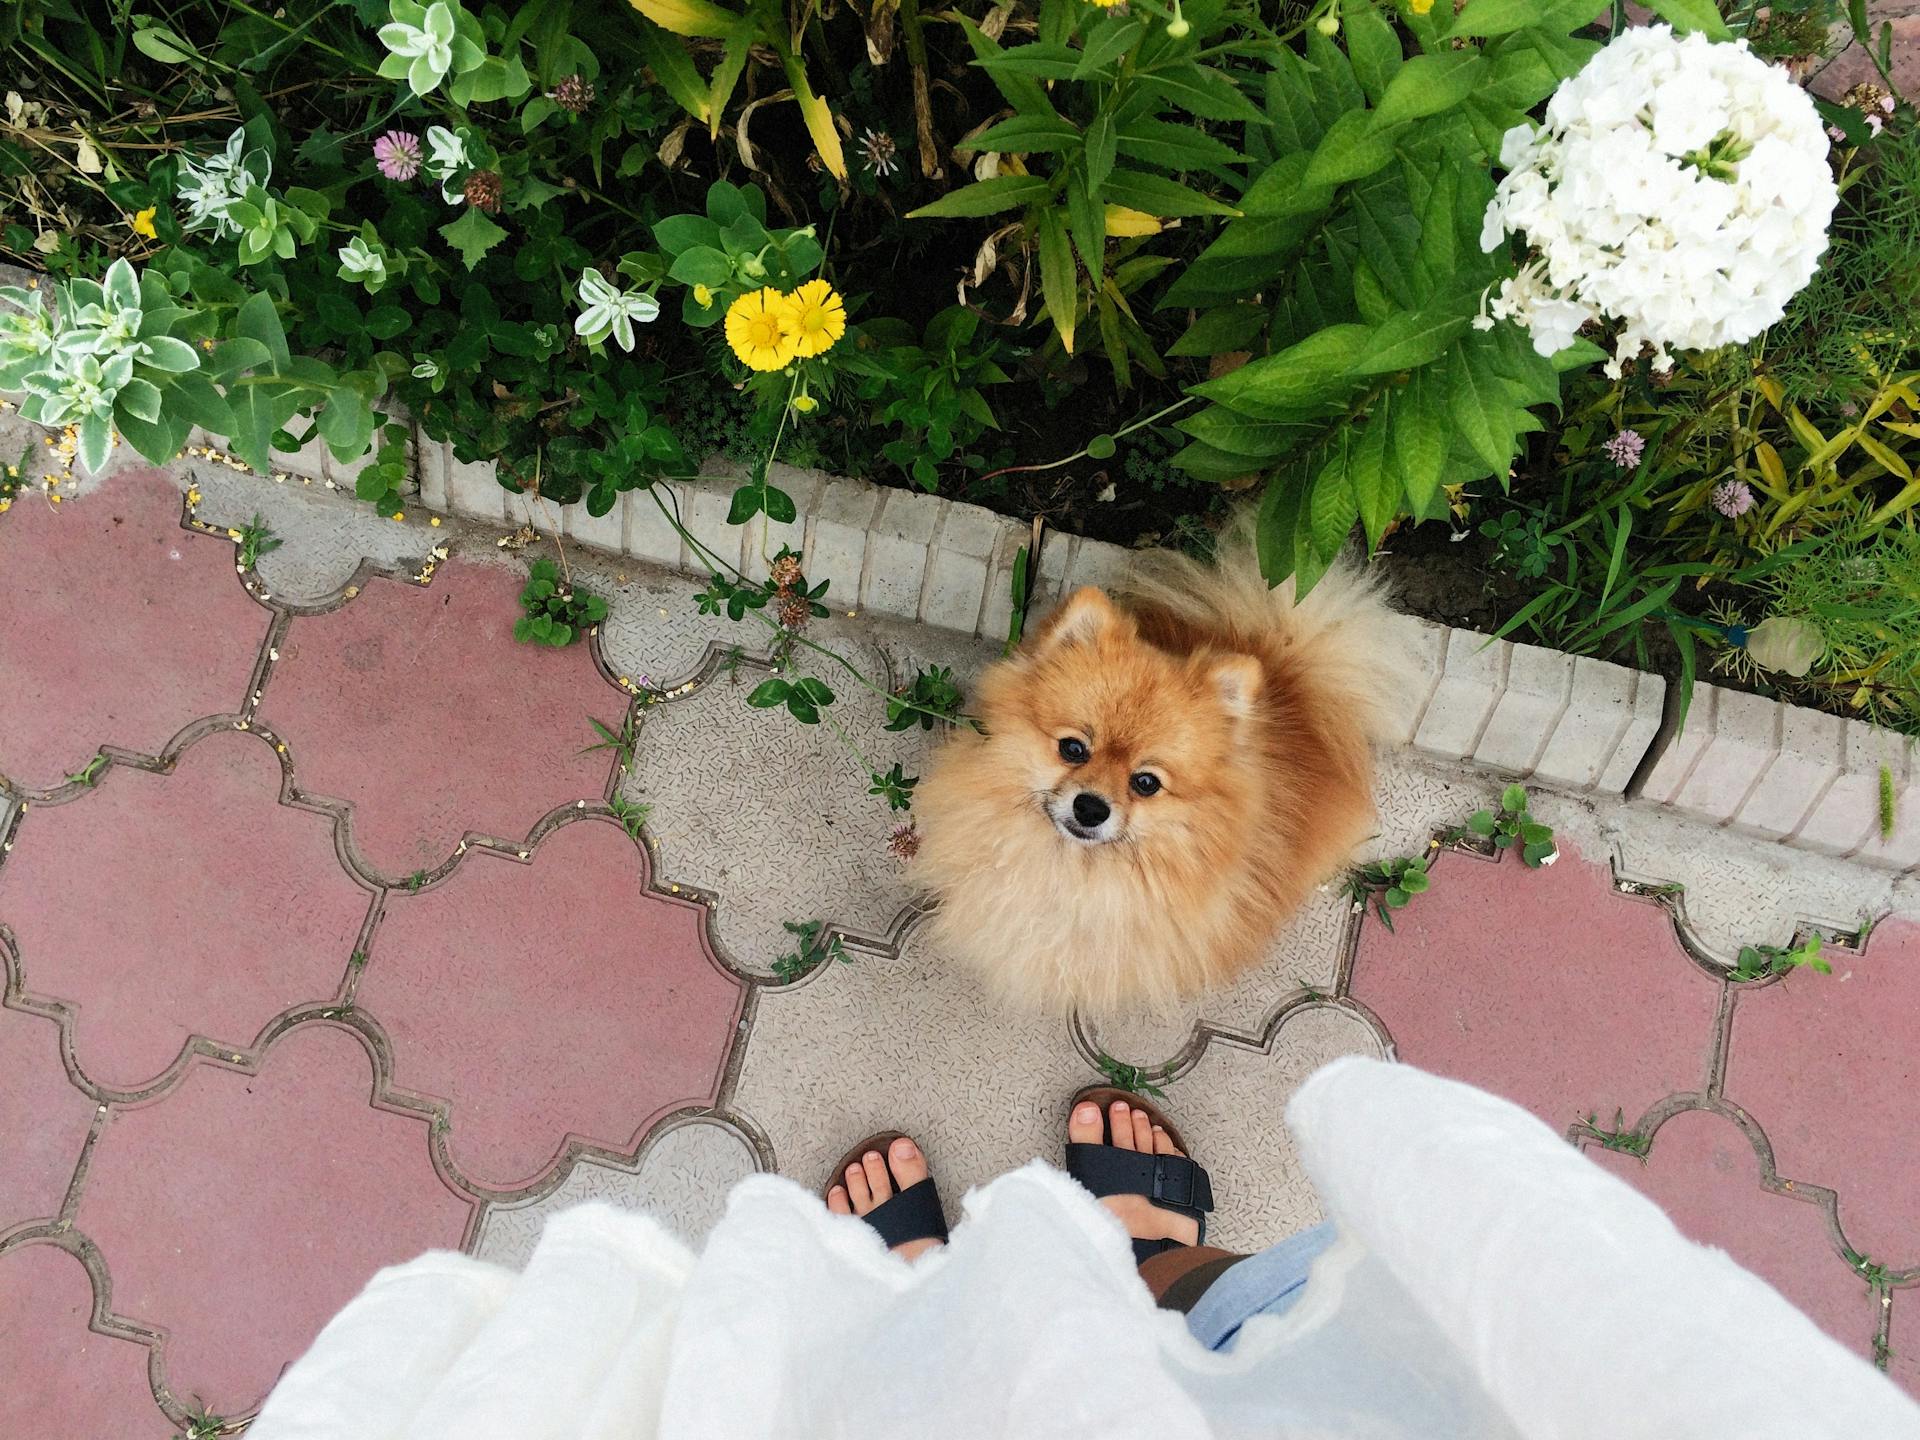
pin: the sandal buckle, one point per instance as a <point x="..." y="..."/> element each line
<point x="1167" y="1180"/>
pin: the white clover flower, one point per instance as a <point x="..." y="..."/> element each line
<point x="606" y="311"/>
<point x="1678" y="186"/>
<point x="426" y="43"/>
<point x="363" y="262"/>
<point x="446" y="158"/>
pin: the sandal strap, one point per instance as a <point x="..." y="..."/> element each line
<point x="1173" y="1182"/>
<point x="911" y="1214"/>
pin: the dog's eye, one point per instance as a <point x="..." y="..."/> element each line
<point x="1145" y="784"/>
<point x="1074" y="751"/>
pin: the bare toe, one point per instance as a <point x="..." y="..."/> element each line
<point x="879" y="1183"/>
<point x="1142" y="1132"/>
<point x="1122" y="1137"/>
<point x="1163" y="1143"/>
<point x="837" y="1201"/>
<point x="908" y="1165"/>
<point x="1083" y="1125"/>
<point x="857" y="1188"/>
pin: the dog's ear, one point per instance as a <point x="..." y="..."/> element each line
<point x="1237" y="682"/>
<point x="1087" y="616"/>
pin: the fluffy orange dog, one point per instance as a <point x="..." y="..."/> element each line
<point x="1161" y="785"/>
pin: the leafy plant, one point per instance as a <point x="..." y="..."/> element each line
<point x="804" y="698"/>
<point x="1621" y="1137"/>
<point x="894" y="787"/>
<point x="622" y="742"/>
<point x="813" y="948"/>
<point x="1513" y="826"/>
<point x="1392" y="883"/>
<point x="931" y="390"/>
<point x="254" y="540"/>
<point x="931" y="696"/>
<point x="632" y="815"/>
<point x="1759" y="962"/>
<point x="557" y="613"/>
<point x="1871" y="1271"/>
<point x="1370" y="390"/>
<point x="1131" y="1077"/>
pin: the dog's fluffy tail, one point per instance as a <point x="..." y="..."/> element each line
<point x="1343" y="637"/>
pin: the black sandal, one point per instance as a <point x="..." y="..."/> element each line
<point x="1172" y="1182"/>
<point x="906" y="1215"/>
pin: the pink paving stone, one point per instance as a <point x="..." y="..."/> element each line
<point x="1545" y="986"/>
<point x="57" y="1377"/>
<point x="240" y="1212"/>
<point x="1703" y="1172"/>
<point x="163" y="906"/>
<point x="418" y="707"/>
<point x="1829" y="1065"/>
<point x="553" y="998"/>
<point x="43" y="1122"/>
<point x="119" y="627"/>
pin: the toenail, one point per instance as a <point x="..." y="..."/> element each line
<point x="871" y="1155"/>
<point x="1088" y="1114"/>
<point x="903" y="1147"/>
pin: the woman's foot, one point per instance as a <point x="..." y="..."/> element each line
<point x="875" y="1179"/>
<point x="1128" y="1128"/>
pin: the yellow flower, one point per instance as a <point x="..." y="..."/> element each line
<point x="702" y="296"/>
<point x="1109" y="4"/>
<point x="805" y="404"/>
<point x="1420" y="7"/>
<point x="759" y="330"/>
<point x="1122" y="221"/>
<point x="142" y="222"/>
<point x="817" y="316"/>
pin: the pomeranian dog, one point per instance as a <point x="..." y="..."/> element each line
<point x="1161" y="783"/>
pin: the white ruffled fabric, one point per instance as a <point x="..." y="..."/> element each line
<point x="1489" y="1284"/>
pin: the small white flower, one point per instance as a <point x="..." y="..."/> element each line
<point x="426" y="369"/>
<point x="606" y="311"/>
<point x="446" y="158"/>
<point x="426" y="43"/>
<point x="362" y="262"/>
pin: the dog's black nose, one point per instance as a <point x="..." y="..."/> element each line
<point x="1089" y="809"/>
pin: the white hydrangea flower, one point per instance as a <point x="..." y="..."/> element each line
<point x="606" y="311"/>
<point x="1678" y="186"/>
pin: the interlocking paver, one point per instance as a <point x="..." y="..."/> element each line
<point x="1828" y="1065"/>
<point x="158" y="907"/>
<point x="1545" y="986"/>
<point x="240" y="1211"/>
<point x="417" y="708"/>
<point x="43" y="1122"/>
<point x="1703" y="1171"/>
<point x="119" y="628"/>
<point x="586" y="1005"/>
<point x="57" y="1377"/>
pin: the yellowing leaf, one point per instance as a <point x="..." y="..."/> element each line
<point x="1768" y="459"/>
<point x="1121" y="221"/>
<point x="698" y="18"/>
<point x="1770" y="388"/>
<point x="1889" y="458"/>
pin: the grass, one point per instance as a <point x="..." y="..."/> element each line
<point x="1869" y="1270"/>
<point x="621" y="741"/>
<point x="89" y="774"/>
<point x="811" y="952"/>
<point x="632" y="815"/>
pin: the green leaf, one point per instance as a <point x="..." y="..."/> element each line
<point x="166" y="353"/>
<point x="1174" y="146"/>
<point x="1481" y="409"/>
<point x="985" y="197"/>
<point x="1027" y="134"/>
<point x="1101" y="447"/>
<point x="1157" y="195"/>
<point x="1086" y="222"/>
<point x="1685" y="15"/>
<point x="1374" y="49"/>
<point x="1102" y="145"/>
<point x="1205" y="92"/>
<point x="1429" y="84"/>
<point x="1498" y="17"/>
<point x="473" y="235"/>
<point x="1513" y="799"/>
<point x="1418" y="443"/>
<point x="779" y="506"/>
<point x="1333" y="505"/>
<point x="1215" y="332"/>
<point x="1057" y="286"/>
<point x="1481" y="822"/>
<point x="258" y="321"/>
<point x="1021" y="92"/>
<point x="701" y="265"/>
<point x="1396" y="896"/>
<point x="1408" y="339"/>
<point x="1376" y="487"/>
<point x="194" y="399"/>
<point x="1351" y="149"/>
<point x="1299" y="379"/>
<point x="1111" y="37"/>
<point x="769" y="693"/>
<point x="1247" y="443"/>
